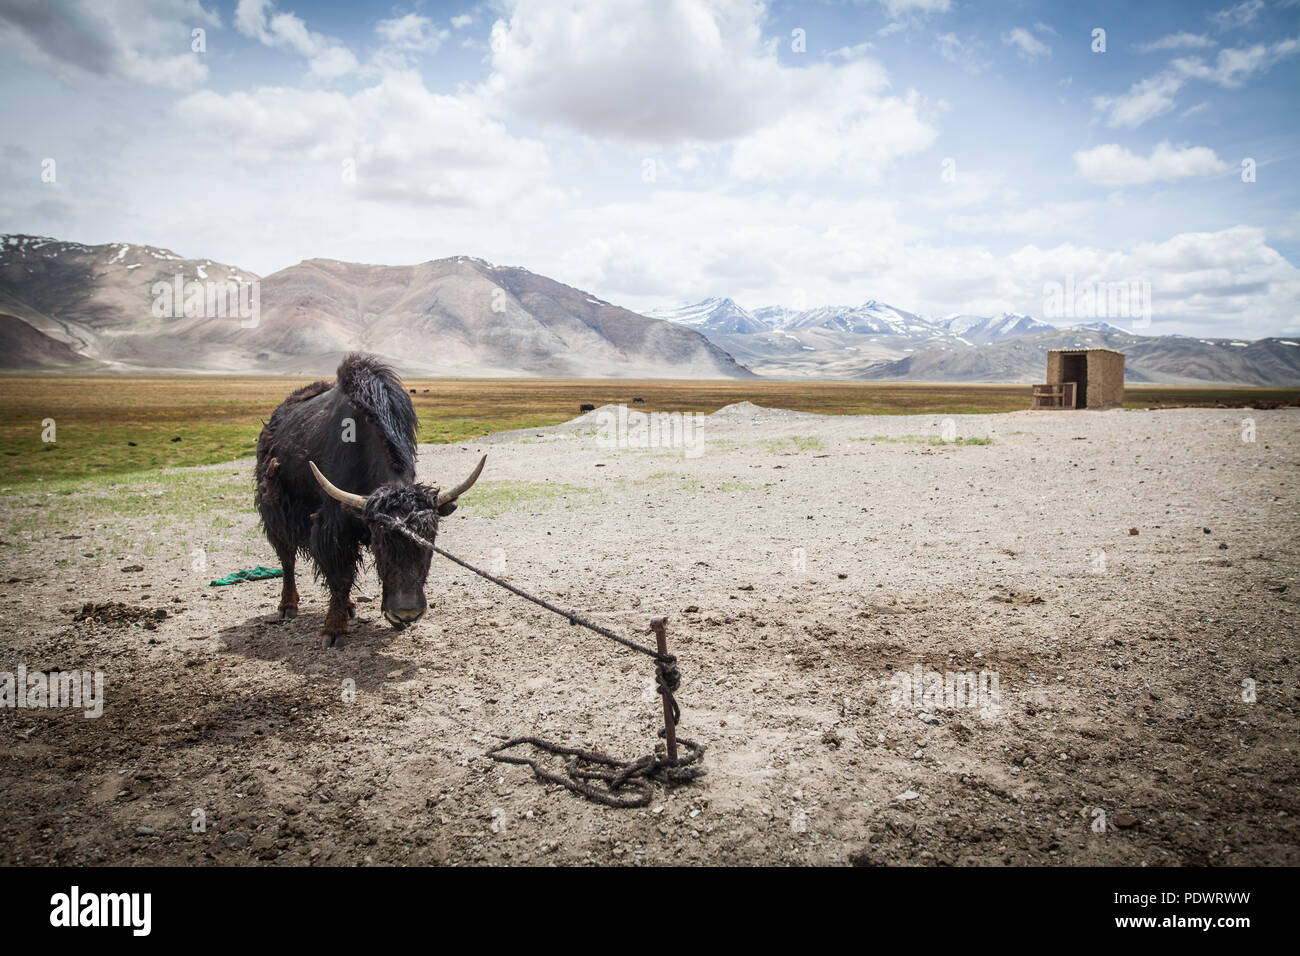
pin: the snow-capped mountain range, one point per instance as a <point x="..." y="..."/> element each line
<point x="723" y="316"/>
<point x="882" y="342"/>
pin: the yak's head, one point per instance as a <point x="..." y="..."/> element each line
<point x="402" y="564"/>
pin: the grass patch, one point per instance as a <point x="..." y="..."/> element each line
<point x="684" y="481"/>
<point x="922" y="440"/>
<point x="142" y="514"/>
<point x="492" y="498"/>
<point x="1208" y="396"/>
<point x="799" y="443"/>
<point x="119" y="424"/>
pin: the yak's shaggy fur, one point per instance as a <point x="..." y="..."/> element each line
<point x="360" y="431"/>
<point x="413" y="505"/>
<point x="375" y="388"/>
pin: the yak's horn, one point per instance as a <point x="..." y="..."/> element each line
<point x="447" y="497"/>
<point x="338" y="494"/>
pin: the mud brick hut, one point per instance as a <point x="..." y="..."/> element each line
<point x="1082" y="378"/>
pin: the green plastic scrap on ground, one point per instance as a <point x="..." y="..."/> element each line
<point x="247" y="574"/>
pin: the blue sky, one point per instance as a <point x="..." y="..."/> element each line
<point x="938" y="155"/>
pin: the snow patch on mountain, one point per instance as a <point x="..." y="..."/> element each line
<point x="982" y="330"/>
<point x="722" y="316"/>
<point x="713" y="315"/>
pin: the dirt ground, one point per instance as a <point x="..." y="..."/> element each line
<point x="1128" y="576"/>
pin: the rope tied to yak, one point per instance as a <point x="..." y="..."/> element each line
<point x="584" y="766"/>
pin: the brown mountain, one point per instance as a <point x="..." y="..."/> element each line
<point x="22" y="346"/>
<point x="100" y="301"/>
<point x="456" y="316"/>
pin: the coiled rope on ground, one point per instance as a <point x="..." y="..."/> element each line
<point x="626" y="783"/>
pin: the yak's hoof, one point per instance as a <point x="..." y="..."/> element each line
<point x="288" y="613"/>
<point x="332" y="640"/>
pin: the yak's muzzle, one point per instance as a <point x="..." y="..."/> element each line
<point x="402" y="618"/>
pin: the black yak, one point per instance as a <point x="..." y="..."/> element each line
<point x="359" y="432"/>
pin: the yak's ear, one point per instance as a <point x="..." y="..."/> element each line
<point x="448" y="508"/>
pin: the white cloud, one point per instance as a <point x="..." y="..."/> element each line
<point x="948" y="45"/>
<point x="845" y="125"/>
<point x="648" y="73"/>
<point x="694" y="72"/>
<point x="411" y="32"/>
<point x="1234" y="66"/>
<point x="327" y="59"/>
<point x="407" y="143"/>
<point x="461" y="21"/>
<point x="759" y="247"/>
<point x="776" y="249"/>
<point x="764" y="249"/>
<point x="1230" y="281"/>
<point x="963" y="54"/>
<point x="1178" y="41"/>
<point x="1113" y="165"/>
<point x="970" y="187"/>
<point x="1240" y="15"/>
<point x="902" y="8"/>
<point x="133" y="40"/>
<point x="1049" y="219"/>
<point x="853" y="52"/>
<point x="1145" y="99"/>
<point x="1155" y="95"/>
<point x="405" y="38"/>
<point x="1026" y="44"/>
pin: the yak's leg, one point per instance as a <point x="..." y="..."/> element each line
<point x="289" y="588"/>
<point x="336" y="618"/>
<point x="283" y="523"/>
<point x="336" y="552"/>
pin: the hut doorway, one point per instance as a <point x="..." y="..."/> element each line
<point x="1074" y="368"/>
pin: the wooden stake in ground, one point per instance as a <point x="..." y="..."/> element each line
<point x="659" y="625"/>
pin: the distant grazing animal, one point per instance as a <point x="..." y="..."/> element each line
<point x="586" y="408"/>
<point x="360" y="430"/>
<point x="638" y="401"/>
